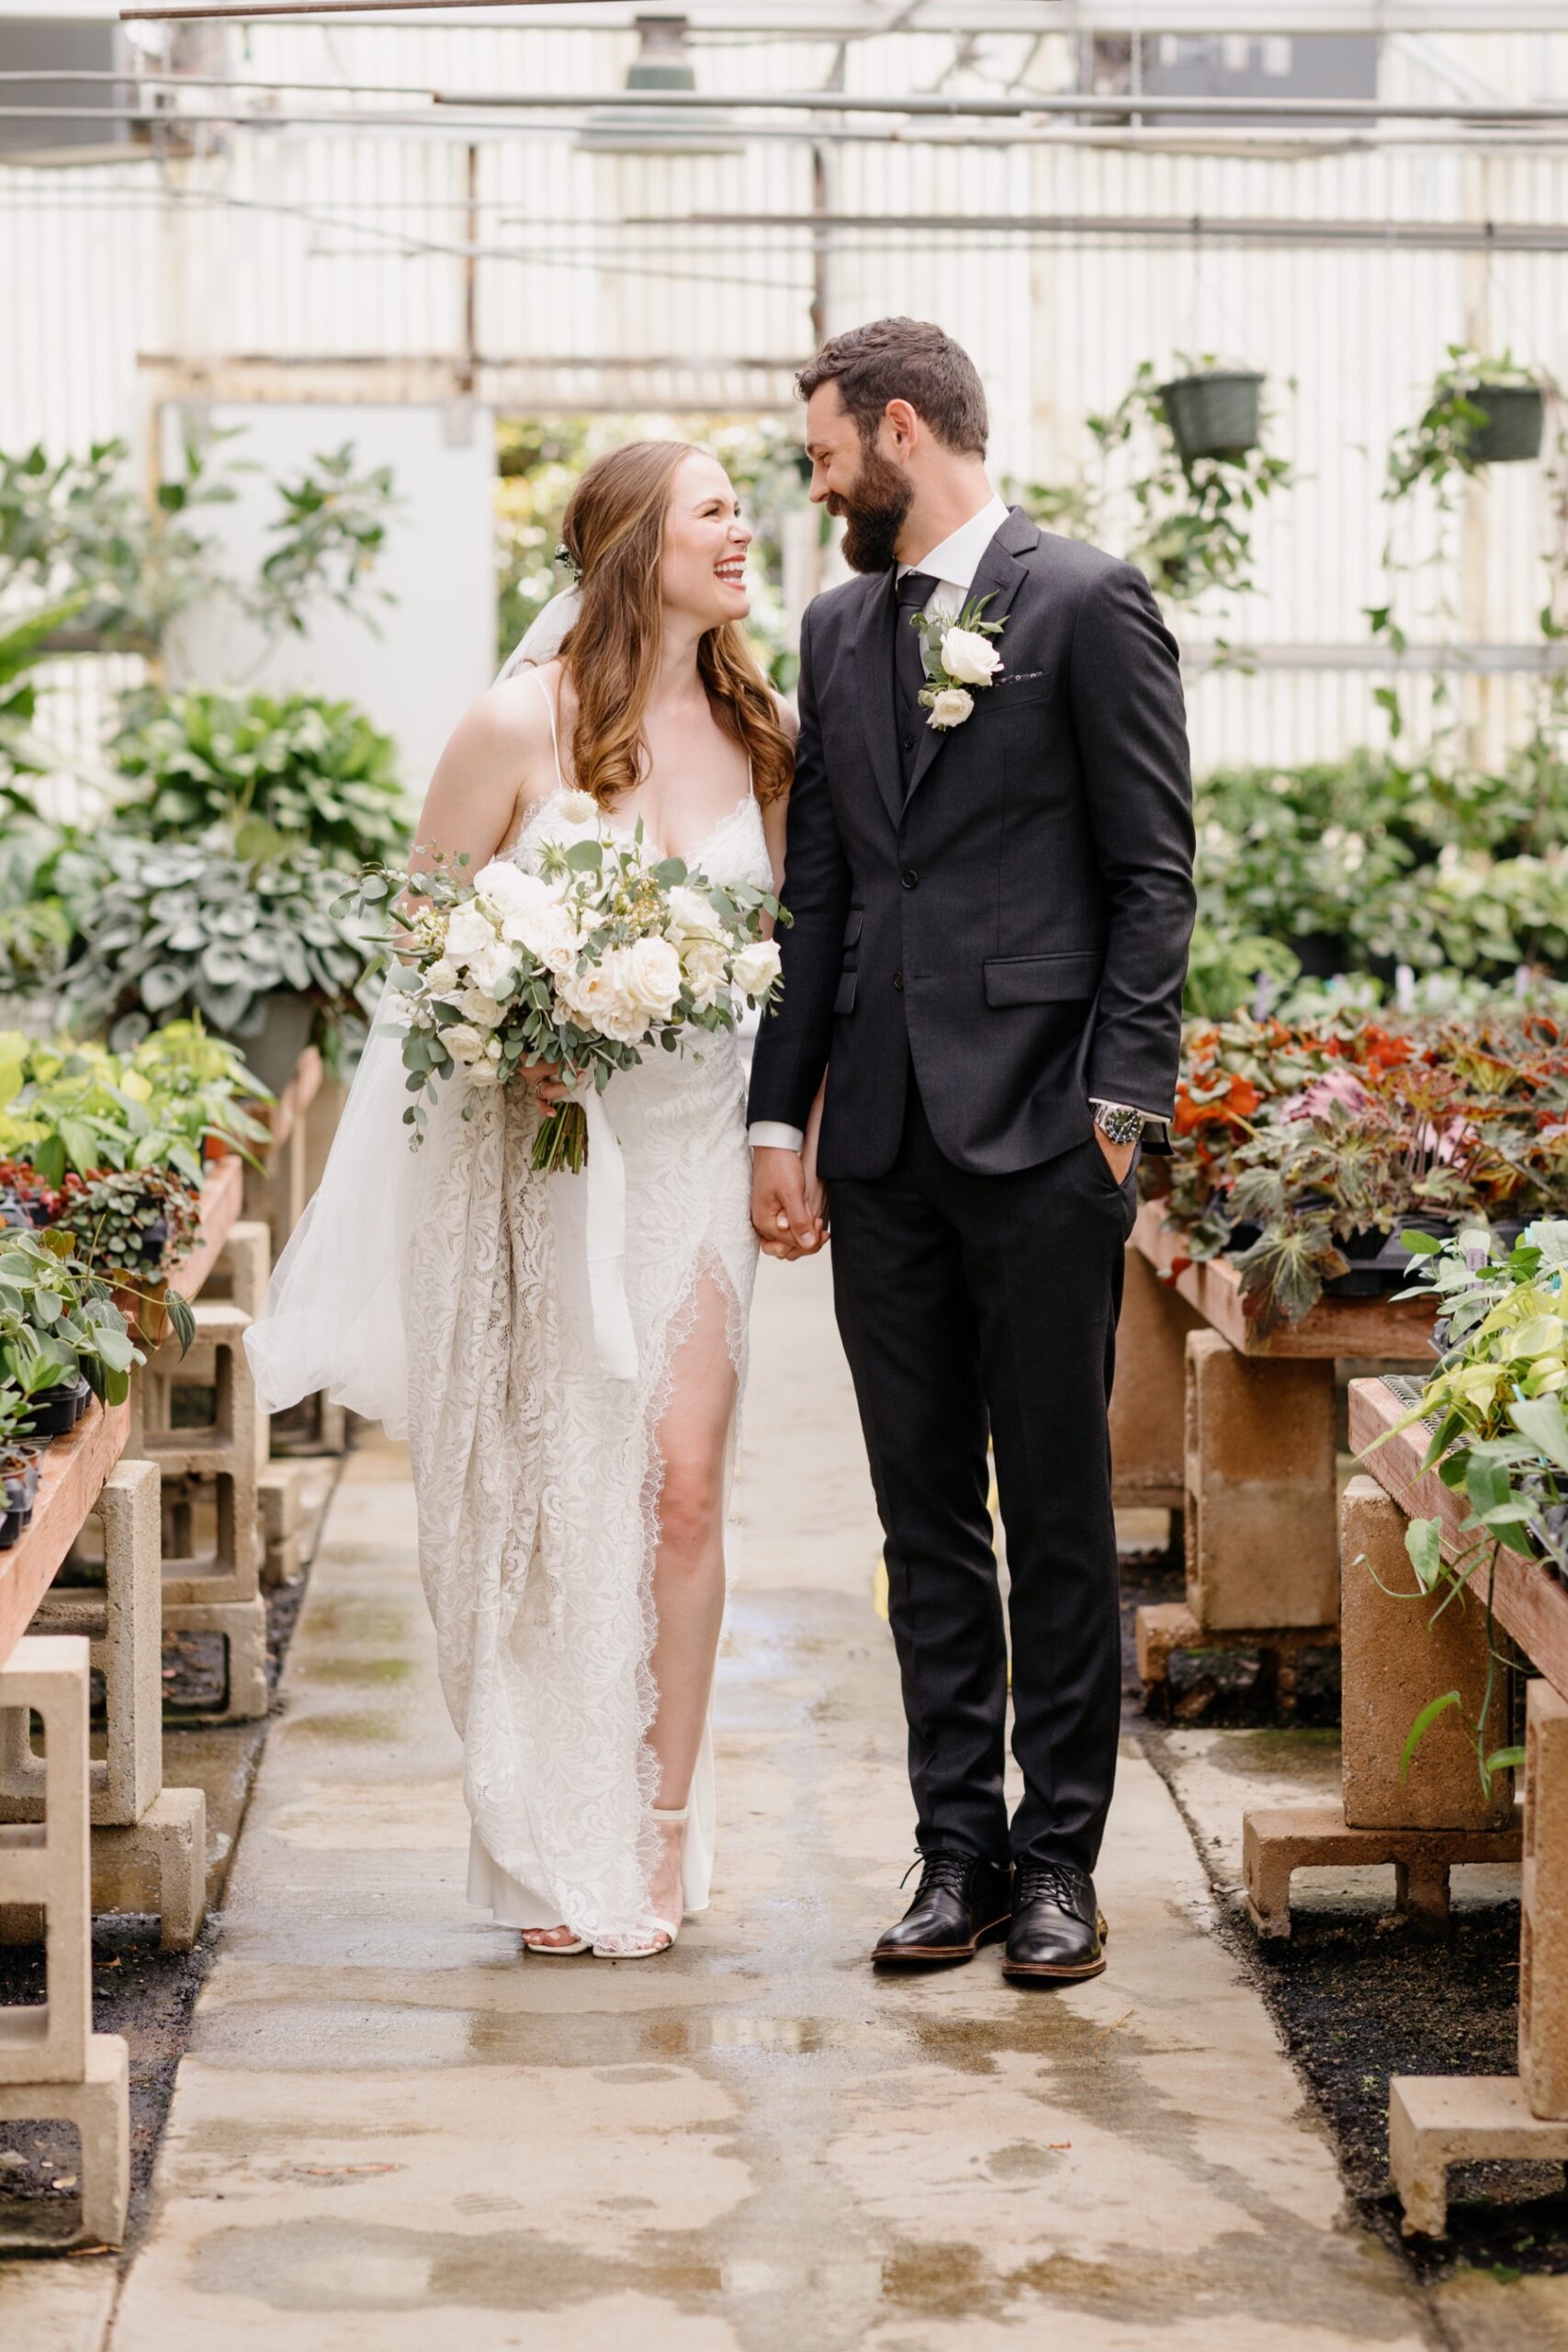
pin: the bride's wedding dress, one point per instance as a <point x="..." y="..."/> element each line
<point x="536" y="1475"/>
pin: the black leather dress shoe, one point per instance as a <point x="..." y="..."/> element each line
<point x="1059" y="1930"/>
<point x="961" y="1903"/>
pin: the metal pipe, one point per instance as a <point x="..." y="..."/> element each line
<point x="1436" y="236"/>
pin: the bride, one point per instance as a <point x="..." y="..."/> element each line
<point x="570" y="1519"/>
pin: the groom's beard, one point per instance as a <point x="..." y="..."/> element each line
<point x="874" y="515"/>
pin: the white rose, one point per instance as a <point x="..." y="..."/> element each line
<point x="544" y="926"/>
<point x="463" y="1043"/>
<point x="481" y="1073"/>
<point x="469" y="931"/>
<point x="756" y="969"/>
<point x="969" y="657"/>
<point x="653" y="977"/>
<point x="441" y="976"/>
<point x="951" y="707"/>
<point x="600" y="998"/>
<point x="703" y="962"/>
<point x="479" y="1008"/>
<point x="493" y="970"/>
<point x="690" y="917"/>
<point x="503" y="881"/>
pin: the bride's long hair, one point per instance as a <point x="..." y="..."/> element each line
<point x="614" y="532"/>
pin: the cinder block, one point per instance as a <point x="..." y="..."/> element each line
<point x="45" y="1863"/>
<point x="1261" y="1522"/>
<point x="1543" y="1906"/>
<point x="124" y="1625"/>
<point x="99" y="2107"/>
<point x="242" y="1624"/>
<point x="1279" y="1840"/>
<point x="280" y="1493"/>
<point x="1398" y="1653"/>
<point x="244" y="1267"/>
<point x="1148" y="1400"/>
<point x="1442" y="2119"/>
<point x="158" y="1864"/>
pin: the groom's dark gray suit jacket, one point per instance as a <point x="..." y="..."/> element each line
<point x="1015" y="924"/>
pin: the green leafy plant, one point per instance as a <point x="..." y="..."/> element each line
<point x="194" y="928"/>
<point x="80" y="525"/>
<point x="278" y="769"/>
<point x="1441" y="443"/>
<point x="76" y="1107"/>
<point x="58" y="1322"/>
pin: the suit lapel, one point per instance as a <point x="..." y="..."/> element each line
<point x="999" y="578"/>
<point x="873" y="649"/>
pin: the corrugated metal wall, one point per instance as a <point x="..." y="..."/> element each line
<point x="296" y="259"/>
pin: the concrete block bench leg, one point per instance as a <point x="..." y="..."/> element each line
<point x="1262" y="1546"/>
<point x="1436" y="2122"/>
<point x="1395" y="1656"/>
<point x="51" y="2062"/>
<point x="1148" y="1400"/>
<point x="148" y="1842"/>
<point x="211" y="1471"/>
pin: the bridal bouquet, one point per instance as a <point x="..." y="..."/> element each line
<point x="600" y="955"/>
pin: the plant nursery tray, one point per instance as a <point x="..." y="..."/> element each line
<point x="1336" y="1326"/>
<point x="71" y="1476"/>
<point x="1528" y="1599"/>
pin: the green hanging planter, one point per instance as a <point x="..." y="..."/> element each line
<point x="1516" y="422"/>
<point x="1216" y="414"/>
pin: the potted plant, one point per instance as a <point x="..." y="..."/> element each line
<point x="1479" y="412"/>
<point x="278" y="769"/>
<point x="18" y="1468"/>
<point x="266" y="951"/>
<point x="1214" y="412"/>
<point x="62" y="1337"/>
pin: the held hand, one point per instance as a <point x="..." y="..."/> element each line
<point x="1118" y="1155"/>
<point x="545" y="1081"/>
<point x="779" y="1211"/>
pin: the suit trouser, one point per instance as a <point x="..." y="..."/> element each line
<point x="967" y="1302"/>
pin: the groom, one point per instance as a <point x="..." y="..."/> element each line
<point x="991" y="919"/>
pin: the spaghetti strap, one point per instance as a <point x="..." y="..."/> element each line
<point x="554" y="738"/>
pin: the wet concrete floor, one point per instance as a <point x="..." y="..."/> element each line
<point x="416" y="2136"/>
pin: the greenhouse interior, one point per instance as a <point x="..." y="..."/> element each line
<point x="428" y="429"/>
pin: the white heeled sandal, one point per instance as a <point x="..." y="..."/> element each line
<point x="664" y="1932"/>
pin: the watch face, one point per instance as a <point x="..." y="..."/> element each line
<point x="1119" y="1126"/>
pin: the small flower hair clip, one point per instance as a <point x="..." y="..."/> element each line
<point x="570" y="564"/>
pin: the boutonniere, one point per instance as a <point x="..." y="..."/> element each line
<point x="958" y="660"/>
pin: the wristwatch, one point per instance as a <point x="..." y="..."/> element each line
<point x="1117" y="1123"/>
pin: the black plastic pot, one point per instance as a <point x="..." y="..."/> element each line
<point x="10" y="1531"/>
<point x="1515" y="421"/>
<point x="1381" y="1263"/>
<point x="1214" y="415"/>
<point x="55" y="1411"/>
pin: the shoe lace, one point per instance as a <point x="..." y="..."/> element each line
<point x="1049" y="1882"/>
<point x="950" y="1870"/>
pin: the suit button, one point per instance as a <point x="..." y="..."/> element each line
<point x="909" y="742"/>
<point x="898" y="980"/>
<point x="909" y="877"/>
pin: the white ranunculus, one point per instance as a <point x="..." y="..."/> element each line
<point x="441" y="976"/>
<point x="756" y="968"/>
<point x="545" y="925"/>
<point x="705" y="963"/>
<point x="653" y="977"/>
<point x="970" y="658"/>
<point x="462" y="1042"/>
<point x="691" y="917"/>
<point x="469" y="931"/>
<point x="953" y="705"/>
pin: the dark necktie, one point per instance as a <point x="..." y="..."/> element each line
<point x="914" y="595"/>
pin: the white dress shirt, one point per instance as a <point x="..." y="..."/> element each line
<point x="953" y="563"/>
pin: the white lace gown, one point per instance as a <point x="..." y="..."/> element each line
<point x="537" y="1478"/>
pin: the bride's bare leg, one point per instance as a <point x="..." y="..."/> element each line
<point x="688" y="1571"/>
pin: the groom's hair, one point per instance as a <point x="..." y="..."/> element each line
<point x="904" y="359"/>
